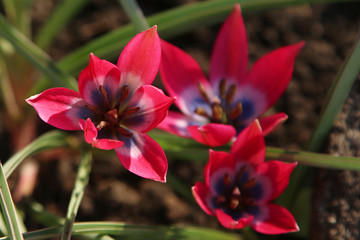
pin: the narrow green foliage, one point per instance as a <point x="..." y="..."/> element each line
<point x="81" y="182"/>
<point x="8" y="209"/>
<point x="135" y="14"/>
<point x="63" y="13"/>
<point x="337" y="95"/>
<point x="49" y="140"/>
<point x="35" y="55"/>
<point x="134" y="232"/>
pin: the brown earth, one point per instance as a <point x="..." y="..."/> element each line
<point x="113" y="193"/>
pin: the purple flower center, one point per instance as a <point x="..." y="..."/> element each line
<point x="109" y="118"/>
<point x="237" y="194"/>
<point x="225" y="111"/>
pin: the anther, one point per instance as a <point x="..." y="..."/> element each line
<point x="101" y="125"/>
<point x="93" y="109"/>
<point x="130" y="111"/>
<point x="220" y="200"/>
<point x="222" y="88"/>
<point x="250" y="183"/>
<point x="124" y="93"/>
<point x="241" y="173"/>
<point x="234" y="203"/>
<point x="250" y="202"/>
<point x="112" y="116"/>
<point x="200" y="111"/>
<point x="227" y="180"/>
<point x="125" y="132"/>
<point x="104" y="95"/>
<point x="203" y="92"/>
<point x="236" y="111"/>
<point x="217" y="112"/>
<point x="231" y="93"/>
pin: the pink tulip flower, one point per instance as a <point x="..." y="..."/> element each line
<point x="116" y="106"/>
<point x="239" y="186"/>
<point x="215" y="111"/>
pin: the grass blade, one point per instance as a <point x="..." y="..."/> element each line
<point x="134" y="232"/>
<point x="337" y="95"/>
<point x="9" y="212"/>
<point x="49" y="140"/>
<point x="65" y="11"/>
<point x="35" y="55"/>
<point x="314" y="159"/>
<point x="135" y="14"/>
<point x="81" y="182"/>
<point x="170" y="23"/>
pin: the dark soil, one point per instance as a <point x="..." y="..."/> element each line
<point x="113" y="193"/>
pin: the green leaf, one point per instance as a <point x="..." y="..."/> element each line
<point x="63" y="13"/>
<point x="189" y="150"/>
<point x="135" y="14"/>
<point x="49" y="140"/>
<point x="337" y="95"/>
<point x="81" y="182"/>
<point x="8" y="208"/>
<point x="134" y="232"/>
<point x="170" y="23"/>
<point x="35" y="55"/>
<point x="314" y="159"/>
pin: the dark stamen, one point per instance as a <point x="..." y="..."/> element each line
<point x="250" y="183"/>
<point x="93" y="109"/>
<point x="241" y="172"/>
<point x="227" y="180"/>
<point x="222" y="88"/>
<point x="125" y="132"/>
<point x="130" y="111"/>
<point x="231" y="93"/>
<point x="203" y="92"/>
<point x="200" y="111"/>
<point x="250" y="202"/>
<point x="236" y="111"/>
<point x="104" y="95"/>
<point x="124" y="93"/>
<point x="220" y="200"/>
<point x="112" y="116"/>
<point x="217" y="112"/>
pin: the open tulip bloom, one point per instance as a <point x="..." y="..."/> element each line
<point x="116" y="106"/>
<point x="239" y="186"/>
<point x="214" y="111"/>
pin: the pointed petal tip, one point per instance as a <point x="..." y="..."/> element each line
<point x="237" y="8"/>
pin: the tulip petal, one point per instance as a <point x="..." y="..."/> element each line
<point x="153" y="106"/>
<point x="230" y="58"/>
<point x="181" y="76"/>
<point x="202" y="196"/>
<point x="212" y="134"/>
<point x="60" y="107"/>
<point x="139" y="61"/>
<point x="99" y="73"/>
<point x="278" y="174"/>
<point x="177" y="123"/>
<point x="143" y="156"/>
<point x="272" y="73"/>
<point x="228" y="222"/>
<point x="249" y="146"/>
<point x="91" y="136"/>
<point x="269" y="124"/>
<point x="219" y="165"/>
<point x="274" y="219"/>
